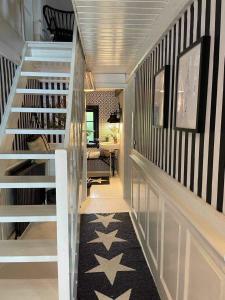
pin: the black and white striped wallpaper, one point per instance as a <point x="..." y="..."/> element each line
<point x="7" y="72"/>
<point x="41" y="120"/>
<point x="53" y="101"/>
<point x="27" y="120"/>
<point x="196" y="160"/>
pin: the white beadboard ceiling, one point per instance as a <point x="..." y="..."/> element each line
<point x="114" y="32"/>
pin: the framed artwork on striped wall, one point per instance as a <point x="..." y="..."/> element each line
<point x="191" y="87"/>
<point x="161" y="97"/>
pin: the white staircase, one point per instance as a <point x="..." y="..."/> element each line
<point x="42" y="61"/>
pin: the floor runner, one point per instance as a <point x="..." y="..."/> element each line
<point x="111" y="262"/>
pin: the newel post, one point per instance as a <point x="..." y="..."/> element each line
<point x="62" y="211"/>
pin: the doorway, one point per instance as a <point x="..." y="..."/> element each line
<point x="105" y="152"/>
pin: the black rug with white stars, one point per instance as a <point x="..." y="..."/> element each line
<point x="111" y="262"/>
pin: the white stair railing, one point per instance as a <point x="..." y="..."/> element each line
<point x="72" y="144"/>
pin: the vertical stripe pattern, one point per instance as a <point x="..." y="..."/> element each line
<point x="196" y="160"/>
<point x="7" y="72"/>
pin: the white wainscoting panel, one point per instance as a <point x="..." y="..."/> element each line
<point x="142" y="214"/>
<point x="203" y="278"/>
<point x="170" y="252"/>
<point x="135" y="191"/>
<point x="186" y="264"/>
<point x="153" y="222"/>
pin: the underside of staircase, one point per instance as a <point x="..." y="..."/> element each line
<point x="48" y="64"/>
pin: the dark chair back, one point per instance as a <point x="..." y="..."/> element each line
<point x="60" y="23"/>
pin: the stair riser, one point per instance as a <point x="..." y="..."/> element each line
<point x="43" y="66"/>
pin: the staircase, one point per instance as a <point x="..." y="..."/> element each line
<point x="44" y="62"/>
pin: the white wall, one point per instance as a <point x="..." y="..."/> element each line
<point x="10" y="11"/>
<point x="11" y="29"/>
<point x="126" y="98"/>
<point x="128" y="109"/>
<point x="121" y="152"/>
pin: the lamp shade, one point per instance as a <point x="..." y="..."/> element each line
<point x="113" y="118"/>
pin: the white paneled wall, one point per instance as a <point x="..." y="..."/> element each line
<point x="185" y="266"/>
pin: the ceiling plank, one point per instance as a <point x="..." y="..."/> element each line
<point x="113" y="31"/>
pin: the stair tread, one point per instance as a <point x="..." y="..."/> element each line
<point x="27" y="155"/>
<point x="42" y="91"/>
<point x="45" y="74"/>
<point x="47" y="59"/>
<point x="38" y="44"/>
<point x="27" y="182"/>
<point x="29" y="288"/>
<point x="38" y="109"/>
<point x="27" y="213"/>
<point x="28" y="251"/>
<point x="34" y="131"/>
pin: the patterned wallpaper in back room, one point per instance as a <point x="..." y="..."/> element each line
<point x="107" y="103"/>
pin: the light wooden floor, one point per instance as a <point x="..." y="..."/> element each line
<point x="105" y="199"/>
<point x="38" y="281"/>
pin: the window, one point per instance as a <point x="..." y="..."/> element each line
<point x="92" y="120"/>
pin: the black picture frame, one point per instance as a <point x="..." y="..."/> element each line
<point x="204" y="43"/>
<point x="166" y="70"/>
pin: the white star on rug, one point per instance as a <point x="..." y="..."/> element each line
<point x="105" y="220"/>
<point x="107" y="238"/>
<point x="99" y="180"/>
<point x="124" y="296"/>
<point x="110" y="267"/>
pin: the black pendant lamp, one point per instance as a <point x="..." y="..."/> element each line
<point x="115" y="116"/>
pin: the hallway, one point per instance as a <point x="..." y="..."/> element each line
<point x="97" y="88"/>
<point x="111" y="262"/>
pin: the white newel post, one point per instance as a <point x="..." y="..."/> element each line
<point x="62" y="210"/>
